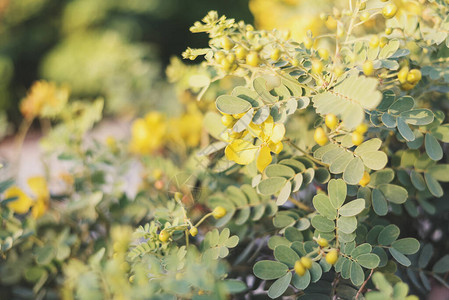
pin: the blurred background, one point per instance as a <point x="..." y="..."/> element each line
<point x="115" y="49"/>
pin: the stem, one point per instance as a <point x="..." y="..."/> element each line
<point x="306" y="154"/>
<point x="299" y="204"/>
<point x="202" y="219"/>
<point x="20" y="138"/>
<point x="363" y="285"/>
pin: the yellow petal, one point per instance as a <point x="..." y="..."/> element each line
<point x="276" y="147"/>
<point x="22" y="204"/>
<point x="278" y="133"/>
<point x="39" y="208"/>
<point x="39" y="187"/>
<point x="241" y="151"/>
<point x="254" y="129"/>
<point x="264" y="158"/>
<point x="267" y="129"/>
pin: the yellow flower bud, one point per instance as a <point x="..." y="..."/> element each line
<point x="332" y="257"/>
<point x="299" y="268"/>
<point x="219" y="212"/>
<point x="306" y="262"/>
<point x="320" y="136"/>
<point x="365" y="179"/>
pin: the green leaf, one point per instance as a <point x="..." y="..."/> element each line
<point x="337" y="192"/>
<point x="244" y="121"/>
<point x="442" y="265"/>
<point x="349" y="99"/>
<point x="357" y="275"/>
<point x="402" y="104"/>
<point x="380" y="204"/>
<point x="442" y="133"/>
<point x="418" y="116"/>
<point x="394" y="193"/>
<point x="359" y="250"/>
<point x="425" y="256"/>
<point x="382" y="176"/>
<point x="382" y="284"/>
<point x="417" y="180"/>
<point x="297" y="182"/>
<point x="297" y="166"/>
<point x="45" y="254"/>
<point x="368" y="146"/>
<point x="382" y="255"/>
<point x="279" y="286"/>
<point x="268" y="269"/>
<point x="389" y="49"/>
<point x="400" y="258"/>
<point x="279" y="170"/>
<point x="301" y="282"/>
<point x="232" y="105"/>
<point x="260" y="86"/>
<point x="406" y="246"/>
<point x="261" y="115"/>
<point x="286" y="255"/>
<point x="322" y="175"/>
<point x="375" y="160"/>
<point x="354" y="171"/>
<point x="235" y="286"/>
<point x="282" y="220"/>
<point x="405" y="130"/>
<point x="352" y="208"/>
<point x="247" y="95"/>
<point x="212" y="124"/>
<point x="293" y="234"/>
<point x="369" y="260"/>
<point x="315" y="272"/>
<point x="271" y="185"/>
<point x="284" y="194"/>
<point x="388" y="235"/>
<point x="440" y="172"/>
<point x="323" y="224"/>
<point x="433" y="185"/>
<point x="340" y="163"/>
<point x="322" y="204"/>
<point x="347" y="224"/>
<point x="433" y="147"/>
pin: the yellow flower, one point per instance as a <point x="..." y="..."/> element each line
<point x="269" y="137"/>
<point x="23" y="202"/>
<point x="45" y="99"/>
<point x="22" y="205"/>
<point x="38" y="186"/>
<point x="148" y="134"/>
<point x="187" y="128"/>
<point x="288" y="14"/>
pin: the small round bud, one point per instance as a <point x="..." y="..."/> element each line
<point x="299" y="268"/>
<point x="332" y="257"/>
<point x="164" y="236"/>
<point x="193" y="231"/>
<point x="219" y="212"/>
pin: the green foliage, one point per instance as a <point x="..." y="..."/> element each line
<point x="314" y="181"/>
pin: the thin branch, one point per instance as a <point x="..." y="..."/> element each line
<point x="363" y="285"/>
<point x="306" y="154"/>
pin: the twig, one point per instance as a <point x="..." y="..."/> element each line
<point x="363" y="285"/>
<point x="306" y="154"/>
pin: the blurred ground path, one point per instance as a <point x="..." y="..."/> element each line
<point x="30" y="164"/>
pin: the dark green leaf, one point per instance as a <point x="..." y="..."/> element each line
<point x="388" y="235"/>
<point x="286" y="255"/>
<point x="268" y="269"/>
<point x="433" y="147"/>
<point x="279" y="286"/>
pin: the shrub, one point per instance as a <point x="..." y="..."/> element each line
<point x="321" y="175"/>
